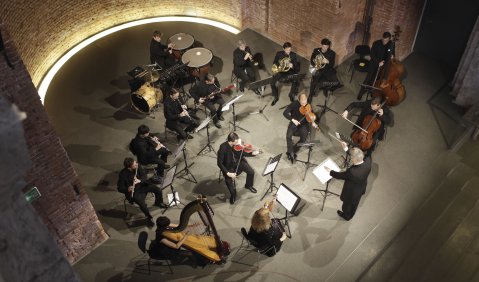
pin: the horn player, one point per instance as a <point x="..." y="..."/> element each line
<point x="322" y="66"/>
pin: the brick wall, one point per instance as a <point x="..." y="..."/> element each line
<point x="305" y="23"/>
<point x="44" y="30"/>
<point x="68" y="214"/>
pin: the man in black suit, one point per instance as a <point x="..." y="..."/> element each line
<point x="242" y="65"/>
<point x="293" y="66"/>
<point x="177" y="114"/>
<point x="159" y="53"/>
<point x="322" y="63"/>
<point x="232" y="162"/>
<point x="131" y="182"/>
<point x="149" y="150"/>
<point x="355" y="182"/>
<point x="200" y="93"/>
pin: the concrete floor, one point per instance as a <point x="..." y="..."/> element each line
<point x="88" y="104"/>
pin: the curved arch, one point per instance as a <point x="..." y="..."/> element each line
<point x="47" y="78"/>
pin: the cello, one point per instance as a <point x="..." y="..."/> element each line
<point x="364" y="139"/>
<point x="389" y="83"/>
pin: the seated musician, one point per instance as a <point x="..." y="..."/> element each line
<point x="322" y="60"/>
<point x="159" y="53"/>
<point x="298" y="125"/>
<point x="291" y="68"/>
<point x="370" y="108"/>
<point x="242" y="65"/>
<point x="149" y="150"/>
<point x="202" y="90"/>
<point x="131" y="182"/>
<point x="177" y="114"/>
<point x="266" y="232"/>
<point x="232" y="163"/>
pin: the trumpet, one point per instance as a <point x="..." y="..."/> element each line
<point x="255" y="63"/>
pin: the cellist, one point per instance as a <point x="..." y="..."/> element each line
<point x="370" y="107"/>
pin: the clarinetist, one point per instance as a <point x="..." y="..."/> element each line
<point x="177" y="117"/>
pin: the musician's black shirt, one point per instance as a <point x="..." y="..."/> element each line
<point x="201" y="89"/>
<point x="268" y="238"/>
<point x="158" y="53"/>
<point x="292" y="111"/>
<point x="125" y="179"/>
<point x="228" y="158"/>
<point x="330" y="55"/>
<point x="172" y="109"/>
<point x="238" y="58"/>
<point x="144" y="150"/>
<point x="380" y="52"/>
<point x="366" y="109"/>
<point x="294" y="60"/>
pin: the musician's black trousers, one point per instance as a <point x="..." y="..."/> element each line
<point x="210" y="104"/>
<point x="243" y="166"/>
<point x="369" y="80"/>
<point x="245" y="75"/>
<point x="160" y="160"/>
<point x="349" y="209"/>
<point x="274" y="87"/>
<point x="321" y="76"/>
<point x="293" y="130"/>
<point x="140" y="195"/>
<point x="176" y="125"/>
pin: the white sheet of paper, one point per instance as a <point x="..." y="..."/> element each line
<point x="285" y="198"/>
<point x="270" y="167"/>
<point x="321" y="173"/>
<point x="225" y="108"/>
<point x="170" y="199"/>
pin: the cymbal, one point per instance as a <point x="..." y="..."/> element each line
<point x="152" y="76"/>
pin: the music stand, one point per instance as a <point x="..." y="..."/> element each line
<point x="270" y="168"/>
<point x="329" y="93"/>
<point x="206" y="123"/>
<point x="323" y="175"/>
<point x="227" y="107"/>
<point x="289" y="200"/>
<point x="307" y="163"/>
<point x="181" y="150"/>
<point x="261" y="85"/>
<point x="369" y="89"/>
<point x="168" y="182"/>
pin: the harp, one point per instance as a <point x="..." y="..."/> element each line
<point x="204" y="238"/>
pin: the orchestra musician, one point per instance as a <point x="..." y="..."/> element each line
<point x="289" y="60"/>
<point x="298" y="126"/>
<point x="200" y="93"/>
<point x="177" y="114"/>
<point x="355" y="182"/>
<point x="149" y="150"/>
<point x="322" y="65"/>
<point x="370" y="107"/>
<point x="159" y="53"/>
<point x="242" y="65"/>
<point x="266" y="232"/>
<point x="231" y="162"/>
<point x="381" y="51"/>
<point x="131" y="182"/>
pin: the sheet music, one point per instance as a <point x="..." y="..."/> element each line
<point x="170" y="199"/>
<point x="203" y="124"/>
<point x="179" y="151"/>
<point x="321" y="173"/>
<point x="286" y="198"/>
<point x="227" y="105"/>
<point x="270" y="168"/>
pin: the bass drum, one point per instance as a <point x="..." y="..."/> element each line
<point x="146" y="98"/>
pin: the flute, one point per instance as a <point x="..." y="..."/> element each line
<point x="134" y="178"/>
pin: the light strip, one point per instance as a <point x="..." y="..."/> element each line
<point x="42" y="89"/>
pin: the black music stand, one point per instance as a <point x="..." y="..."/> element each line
<point x="261" y="85"/>
<point x="270" y="168"/>
<point x="227" y="107"/>
<point x="329" y="92"/>
<point x="323" y="175"/>
<point x="289" y="200"/>
<point x="168" y="182"/>
<point x="181" y="150"/>
<point x="208" y="147"/>
<point x="369" y="89"/>
<point x="307" y="163"/>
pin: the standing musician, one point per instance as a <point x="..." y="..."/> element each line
<point x="149" y="150"/>
<point x="231" y="162"/>
<point x="177" y="114"/>
<point x="355" y="182"/>
<point x="242" y="61"/>
<point x="298" y="125"/>
<point x="285" y="63"/>
<point x="131" y="183"/>
<point x="266" y="232"/>
<point x="202" y="89"/>
<point x="159" y="53"/>
<point x="381" y="51"/>
<point x="322" y="66"/>
<point x="370" y="108"/>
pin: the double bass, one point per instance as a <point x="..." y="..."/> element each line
<point x="389" y="81"/>
<point x="204" y="238"/>
<point x="364" y="139"/>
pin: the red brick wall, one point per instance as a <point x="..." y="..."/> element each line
<point x="69" y="217"/>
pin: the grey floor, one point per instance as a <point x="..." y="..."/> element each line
<point x="88" y="104"/>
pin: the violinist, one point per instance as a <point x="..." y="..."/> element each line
<point x="231" y="162"/>
<point x="202" y="89"/>
<point x="149" y="151"/>
<point x="369" y="108"/>
<point x="381" y="51"/>
<point x="266" y="232"/>
<point x="299" y="124"/>
<point x="242" y="62"/>
<point x="177" y="114"/>
<point x="287" y="63"/>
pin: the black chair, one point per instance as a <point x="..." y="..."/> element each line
<point x="248" y="245"/>
<point x="360" y="64"/>
<point x="153" y="257"/>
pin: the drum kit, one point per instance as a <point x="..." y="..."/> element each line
<point x="147" y="98"/>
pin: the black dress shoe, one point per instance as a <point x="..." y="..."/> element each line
<point x="275" y="100"/>
<point x="167" y="166"/>
<point x="290" y="158"/>
<point x="257" y="92"/>
<point x="291" y="98"/>
<point x="161" y="205"/>
<point x="150" y="223"/>
<point x="221" y="118"/>
<point x="232" y="200"/>
<point x="218" y="125"/>
<point x="252" y="189"/>
<point x="341" y="214"/>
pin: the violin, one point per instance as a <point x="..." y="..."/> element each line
<point x="307" y="112"/>
<point x="364" y="139"/>
<point x="246" y="148"/>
